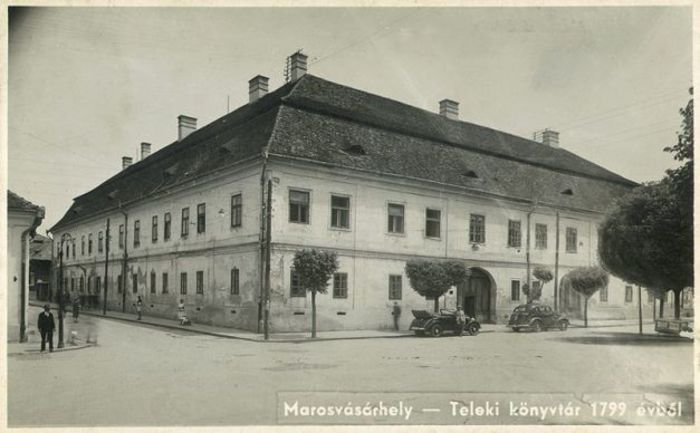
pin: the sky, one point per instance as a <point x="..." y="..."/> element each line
<point x="88" y="85"/>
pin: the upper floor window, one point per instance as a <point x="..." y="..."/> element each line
<point x="137" y="233"/>
<point x="295" y="288"/>
<point x="629" y="293"/>
<point x="166" y="226"/>
<point x="340" y="212"/>
<point x="73" y="246"/>
<point x="514" y="234"/>
<point x="235" y="283"/>
<point x="396" y="217"/>
<point x="90" y="244"/>
<point x="395" y="285"/>
<point x="100" y="242"/>
<point x="82" y="245"/>
<point x="201" y="218"/>
<point x="121" y="236"/>
<point x="541" y="236"/>
<point x="236" y="210"/>
<point x="200" y="282"/>
<point x="477" y="229"/>
<point x="185" y="225"/>
<point x="154" y="229"/>
<point x="571" y="240"/>
<point x="432" y="223"/>
<point x="340" y="285"/>
<point x="299" y="206"/>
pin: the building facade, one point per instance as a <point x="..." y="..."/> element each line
<point x="215" y="218"/>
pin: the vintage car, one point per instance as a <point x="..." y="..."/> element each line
<point x="537" y="317"/>
<point x="437" y="324"/>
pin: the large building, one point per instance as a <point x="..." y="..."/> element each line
<point x="375" y="180"/>
<point x="23" y="217"/>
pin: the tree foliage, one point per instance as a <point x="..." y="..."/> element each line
<point x="586" y="281"/>
<point x="314" y="268"/>
<point x="431" y="278"/>
<point x="543" y="274"/>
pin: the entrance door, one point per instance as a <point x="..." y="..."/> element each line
<point x="469" y="306"/>
<point x="476" y="292"/>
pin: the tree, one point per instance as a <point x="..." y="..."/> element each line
<point x="432" y="279"/>
<point x="314" y="269"/>
<point x="587" y="281"/>
<point x="543" y="275"/>
<point x="647" y="237"/>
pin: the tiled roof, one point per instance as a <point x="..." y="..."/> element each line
<point x="18" y="203"/>
<point x="318" y="120"/>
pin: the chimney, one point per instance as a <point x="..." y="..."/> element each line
<point x="449" y="109"/>
<point x="126" y="162"/>
<point x="257" y="87"/>
<point x="185" y="126"/>
<point x="297" y="65"/>
<point x="550" y="138"/>
<point x="145" y="150"/>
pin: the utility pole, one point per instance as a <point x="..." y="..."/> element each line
<point x="268" y="236"/>
<point x="126" y="256"/>
<point x="639" y="296"/>
<point x="104" y="290"/>
<point x="556" y="266"/>
<point x="527" y="254"/>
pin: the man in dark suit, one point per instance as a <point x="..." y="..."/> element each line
<point x="46" y="326"/>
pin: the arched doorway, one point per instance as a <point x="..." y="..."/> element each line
<point x="475" y="295"/>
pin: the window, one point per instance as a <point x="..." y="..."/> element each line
<point x="82" y="245"/>
<point x="137" y="233"/>
<point x="571" y="240"/>
<point x="515" y="290"/>
<point x="153" y="282"/>
<point x="541" y="236"/>
<point x="100" y="242"/>
<point x="183" y="283"/>
<point x="154" y="229"/>
<point x="200" y="282"/>
<point x="395" y="212"/>
<point x="135" y="283"/>
<point x="395" y="287"/>
<point x="90" y="244"/>
<point x="165" y="282"/>
<point x="74" y="249"/>
<point x="236" y="210"/>
<point x="120" y="283"/>
<point x="185" y="225"/>
<point x="166" y="226"/>
<point x="340" y="212"/>
<point x="604" y="294"/>
<point x="432" y="223"/>
<point x="340" y="285"/>
<point x="299" y="207"/>
<point x="235" y="288"/>
<point x="98" y="284"/>
<point x="629" y="294"/>
<point x="514" y="235"/>
<point x="72" y="284"/>
<point x="121" y="236"/>
<point x="67" y="250"/>
<point x="477" y="229"/>
<point x="201" y="218"/>
<point x="81" y="285"/>
<point x="295" y="289"/>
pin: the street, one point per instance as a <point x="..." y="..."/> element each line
<point x="140" y="375"/>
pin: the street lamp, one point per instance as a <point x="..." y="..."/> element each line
<point x="61" y="305"/>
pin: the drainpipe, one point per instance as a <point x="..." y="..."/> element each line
<point x="268" y="241"/>
<point x="527" y="254"/>
<point x="556" y="266"/>
<point x="104" y="297"/>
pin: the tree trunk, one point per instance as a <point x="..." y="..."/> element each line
<point x="639" y="305"/>
<point x="437" y="304"/>
<point x="585" y="313"/>
<point x="653" y="308"/>
<point x="661" y="308"/>
<point x="676" y="304"/>
<point x="313" y="313"/>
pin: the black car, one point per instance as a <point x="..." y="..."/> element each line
<point x="537" y="317"/>
<point x="437" y="324"/>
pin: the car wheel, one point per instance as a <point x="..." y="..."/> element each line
<point x="563" y="324"/>
<point x="537" y="326"/>
<point x="473" y="329"/>
<point x="435" y="331"/>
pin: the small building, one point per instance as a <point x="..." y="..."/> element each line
<point x="40" y="260"/>
<point x="215" y="217"/>
<point x="23" y="217"/>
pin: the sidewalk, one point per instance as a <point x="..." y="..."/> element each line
<point x="608" y="323"/>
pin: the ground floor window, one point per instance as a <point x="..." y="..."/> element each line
<point x="153" y="282"/>
<point x="235" y="283"/>
<point x="395" y="287"/>
<point x="515" y="290"/>
<point x="165" y="282"/>
<point x="340" y="285"/>
<point x="135" y="279"/>
<point x="295" y="289"/>
<point x="120" y="283"/>
<point x="604" y="294"/>
<point x="183" y="283"/>
<point x="200" y="282"/>
<point x="629" y="293"/>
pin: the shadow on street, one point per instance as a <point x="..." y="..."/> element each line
<point x="626" y="339"/>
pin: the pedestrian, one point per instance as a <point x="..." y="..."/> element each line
<point x="139" y="304"/>
<point x="396" y="312"/>
<point x="76" y="307"/>
<point x="46" y="326"/>
<point x="461" y="319"/>
<point x="181" y="311"/>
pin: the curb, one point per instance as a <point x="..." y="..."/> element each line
<point x="56" y="350"/>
